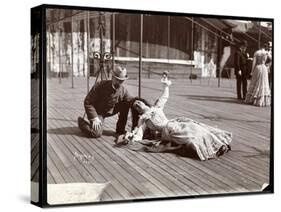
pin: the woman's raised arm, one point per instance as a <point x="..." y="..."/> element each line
<point x="161" y="101"/>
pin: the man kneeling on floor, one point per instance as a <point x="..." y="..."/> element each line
<point x="107" y="98"/>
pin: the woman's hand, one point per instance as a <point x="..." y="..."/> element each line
<point x="129" y="135"/>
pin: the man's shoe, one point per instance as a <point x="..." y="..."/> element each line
<point x="120" y="140"/>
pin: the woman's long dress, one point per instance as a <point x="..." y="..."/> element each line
<point x="259" y="91"/>
<point x="208" y="142"/>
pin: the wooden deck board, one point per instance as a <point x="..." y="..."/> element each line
<point x="191" y="173"/>
<point x="112" y="174"/>
<point x="60" y="166"/>
<point x="51" y="179"/>
<point x="159" y="170"/>
<point x="35" y="176"/>
<point x="35" y="166"/>
<point x="208" y="185"/>
<point x="56" y="173"/>
<point x="34" y="158"/>
<point x="86" y="178"/>
<point x="96" y="177"/>
<point x="34" y="141"/>
<point x="107" y="170"/>
<point x="103" y="153"/>
<point x="142" y="169"/>
<point x="138" y="174"/>
<point x="154" y="162"/>
<point x="68" y="161"/>
<point x="34" y="152"/>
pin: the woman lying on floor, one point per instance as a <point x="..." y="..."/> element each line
<point x="182" y="135"/>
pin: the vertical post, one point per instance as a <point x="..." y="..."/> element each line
<point x="49" y="52"/>
<point x="72" y="62"/>
<point x="146" y="55"/>
<point x="259" y="35"/>
<point x="140" y="52"/>
<point x="85" y="45"/>
<point x="113" y="41"/>
<point x="192" y="46"/>
<point x="59" y="53"/>
<point x="168" y="38"/>
<point x="54" y="49"/>
<point x="101" y="29"/>
<point x="219" y="59"/>
<point x="78" y="47"/>
<point x="88" y="51"/>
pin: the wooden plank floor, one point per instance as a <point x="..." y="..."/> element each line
<point x="75" y="158"/>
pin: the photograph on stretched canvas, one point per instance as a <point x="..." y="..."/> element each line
<point x="150" y="105"/>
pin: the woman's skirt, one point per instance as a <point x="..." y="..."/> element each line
<point x="259" y="91"/>
<point x="208" y="142"/>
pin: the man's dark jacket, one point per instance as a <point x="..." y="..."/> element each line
<point x="241" y="63"/>
<point x="103" y="99"/>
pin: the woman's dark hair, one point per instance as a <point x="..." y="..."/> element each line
<point x="266" y="45"/>
<point x="148" y="133"/>
<point x="135" y="113"/>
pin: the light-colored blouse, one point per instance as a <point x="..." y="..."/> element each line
<point x="260" y="58"/>
<point x="154" y="118"/>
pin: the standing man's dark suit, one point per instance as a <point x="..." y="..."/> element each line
<point x="241" y="71"/>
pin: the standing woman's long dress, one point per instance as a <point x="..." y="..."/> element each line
<point x="259" y="91"/>
<point x="207" y="142"/>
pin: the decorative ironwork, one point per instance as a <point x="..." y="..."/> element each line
<point x="102" y="55"/>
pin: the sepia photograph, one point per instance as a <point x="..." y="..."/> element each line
<point x="143" y="105"/>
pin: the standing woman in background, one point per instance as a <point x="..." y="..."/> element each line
<point x="259" y="91"/>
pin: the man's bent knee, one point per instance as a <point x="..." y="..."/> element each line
<point x="88" y="130"/>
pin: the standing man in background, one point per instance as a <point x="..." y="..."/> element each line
<point x="241" y="70"/>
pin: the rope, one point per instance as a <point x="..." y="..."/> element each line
<point x="63" y="18"/>
<point x="209" y="30"/>
<point x="75" y="14"/>
<point x="228" y="34"/>
<point x="263" y="32"/>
